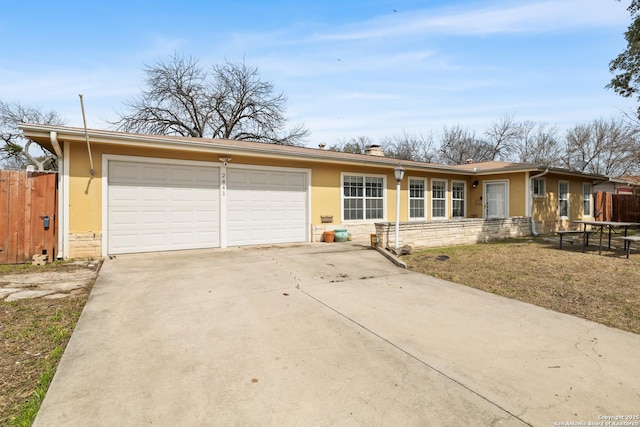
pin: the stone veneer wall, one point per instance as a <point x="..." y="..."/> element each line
<point x="360" y="233"/>
<point x="85" y="245"/>
<point x="416" y="234"/>
<point x="453" y="232"/>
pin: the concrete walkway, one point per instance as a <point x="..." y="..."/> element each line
<point x="326" y="334"/>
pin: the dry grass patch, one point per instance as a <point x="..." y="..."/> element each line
<point x="604" y="289"/>
<point x="33" y="335"/>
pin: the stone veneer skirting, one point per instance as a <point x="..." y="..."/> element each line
<point x="416" y="234"/>
<point x="360" y="233"/>
<point x="85" y="245"/>
<point x="453" y="232"/>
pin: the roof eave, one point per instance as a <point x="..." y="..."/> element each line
<point x="40" y="134"/>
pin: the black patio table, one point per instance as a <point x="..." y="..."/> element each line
<point x="612" y="225"/>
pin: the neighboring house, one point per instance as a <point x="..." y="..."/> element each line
<point x="620" y="185"/>
<point x="127" y="193"/>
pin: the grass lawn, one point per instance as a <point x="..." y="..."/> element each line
<point x="33" y="336"/>
<point x="603" y="288"/>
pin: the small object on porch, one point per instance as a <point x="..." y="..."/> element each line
<point x="374" y="240"/>
<point x="326" y="219"/>
<point x="342" y="235"/>
<point x="329" y="236"/>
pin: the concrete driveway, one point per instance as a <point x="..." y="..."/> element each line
<point x="327" y="334"/>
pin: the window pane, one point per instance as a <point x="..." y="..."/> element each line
<point x="352" y="186"/>
<point x="439" y="210"/>
<point x="564" y="208"/>
<point x="374" y="209"/>
<point x="416" y="198"/>
<point x="457" y="190"/>
<point x="416" y="208"/>
<point x="416" y="188"/>
<point x="457" y="199"/>
<point x="586" y="199"/>
<point x="438" y="189"/>
<point x="563" y="196"/>
<point x="458" y="208"/>
<point x="353" y="209"/>
<point x="373" y="187"/>
<point x="438" y="197"/>
<point x="538" y="187"/>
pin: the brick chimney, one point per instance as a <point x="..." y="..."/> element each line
<point x="374" y="150"/>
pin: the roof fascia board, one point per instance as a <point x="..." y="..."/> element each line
<point x="158" y="141"/>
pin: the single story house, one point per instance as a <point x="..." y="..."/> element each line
<point x="126" y="193"/>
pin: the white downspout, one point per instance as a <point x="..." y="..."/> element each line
<point x="53" y="136"/>
<point x="531" y="178"/>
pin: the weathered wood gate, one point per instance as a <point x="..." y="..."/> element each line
<point x="28" y="207"/>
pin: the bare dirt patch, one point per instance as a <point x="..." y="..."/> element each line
<point x="35" y="331"/>
<point x="602" y="288"/>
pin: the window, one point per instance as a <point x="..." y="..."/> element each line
<point x="563" y="199"/>
<point x="586" y="199"/>
<point x="362" y="197"/>
<point x="457" y="199"/>
<point x="416" y="199"/>
<point x="438" y="199"/>
<point x="538" y="187"/>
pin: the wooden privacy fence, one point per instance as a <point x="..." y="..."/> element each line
<point x="28" y="206"/>
<point x="617" y="207"/>
<point x="626" y="207"/>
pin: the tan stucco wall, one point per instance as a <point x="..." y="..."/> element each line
<point x="85" y="191"/>
<point x="517" y="193"/>
<point x="546" y="209"/>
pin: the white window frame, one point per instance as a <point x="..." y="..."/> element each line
<point x="364" y="198"/>
<point x="464" y="198"/>
<point x="589" y="212"/>
<point x="560" y="200"/>
<point x="423" y="199"/>
<point x="446" y="189"/>
<point x="539" y="192"/>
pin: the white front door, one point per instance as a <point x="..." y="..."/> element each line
<point x="496" y="201"/>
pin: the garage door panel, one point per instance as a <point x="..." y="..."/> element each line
<point x="266" y="206"/>
<point x="158" y="206"/>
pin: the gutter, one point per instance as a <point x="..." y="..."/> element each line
<point x="231" y="149"/>
<point x="534" y="233"/>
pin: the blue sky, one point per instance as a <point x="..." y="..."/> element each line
<point x="348" y="68"/>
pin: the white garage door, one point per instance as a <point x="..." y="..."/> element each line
<point x="162" y="206"/>
<point x="266" y="206"/>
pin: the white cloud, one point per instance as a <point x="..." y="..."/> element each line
<point x="531" y="17"/>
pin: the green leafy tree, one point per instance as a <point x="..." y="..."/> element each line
<point x="626" y="66"/>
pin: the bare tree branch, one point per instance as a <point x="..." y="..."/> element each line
<point x="227" y="101"/>
<point x="15" y="150"/>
